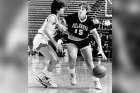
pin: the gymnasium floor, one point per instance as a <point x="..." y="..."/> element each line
<point x="84" y="82"/>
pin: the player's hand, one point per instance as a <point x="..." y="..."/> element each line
<point x="59" y="48"/>
<point x="103" y="55"/>
<point x="62" y="28"/>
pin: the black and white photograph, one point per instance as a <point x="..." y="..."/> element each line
<point x="70" y="46"/>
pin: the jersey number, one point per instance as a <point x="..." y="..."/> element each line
<point x="80" y="32"/>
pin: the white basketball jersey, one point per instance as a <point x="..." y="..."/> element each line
<point x="51" y="28"/>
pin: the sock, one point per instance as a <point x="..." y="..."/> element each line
<point x="72" y="71"/>
<point x="95" y="79"/>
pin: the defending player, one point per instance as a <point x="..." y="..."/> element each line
<point x="45" y="38"/>
<point x="79" y="27"/>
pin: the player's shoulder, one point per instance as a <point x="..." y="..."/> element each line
<point x="89" y="19"/>
<point x="51" y="18"/>
<point x="51" y="15"/>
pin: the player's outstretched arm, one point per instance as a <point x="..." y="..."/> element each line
<point x="47" y="27"/>
<point x="62" y="26"/>
<point x="98" y="40"/>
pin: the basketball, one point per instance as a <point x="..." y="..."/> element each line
<point x="99" y="71"/>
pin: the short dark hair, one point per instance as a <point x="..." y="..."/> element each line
<point x="85" y="5"/>
<point x="56" y="6"/>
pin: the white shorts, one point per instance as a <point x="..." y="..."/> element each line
<point x="38" y="39"/>
<point x="47" y="51"/>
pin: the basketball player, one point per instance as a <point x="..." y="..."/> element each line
<point x="79" y="27"/>
<point x="42" y="43"/>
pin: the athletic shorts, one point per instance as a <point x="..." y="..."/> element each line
<point x="42" y="41"/>
<point x="39" y="39"/>
<point x="80" y="44"/>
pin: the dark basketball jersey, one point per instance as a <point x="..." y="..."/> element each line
<point x="77" y="28"/>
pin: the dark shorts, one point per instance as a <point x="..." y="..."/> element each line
<point x="80" y="44"/>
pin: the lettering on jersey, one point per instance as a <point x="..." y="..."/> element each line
<point x="80" y="26"/>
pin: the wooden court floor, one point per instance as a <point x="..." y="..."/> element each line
<point x="84" y="81"/>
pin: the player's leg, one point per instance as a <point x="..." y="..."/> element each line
<point x="40" y="45"/>
<point x="87" y="54"/>
<point x="36" y="47"/>
<point x="72" y="53"/>
<point x="50" y="62"/>
<point x="54" y="59"/>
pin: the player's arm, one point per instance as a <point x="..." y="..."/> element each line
<point x="47" y="28"/>
<point x="98" y="40"/>
<point x="62" y="26"/>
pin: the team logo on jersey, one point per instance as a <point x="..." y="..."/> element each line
<point x="80" y="26"/>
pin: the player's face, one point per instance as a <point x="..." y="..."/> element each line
<point x="82" y="11"/>
<point x="61" y="11"/>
